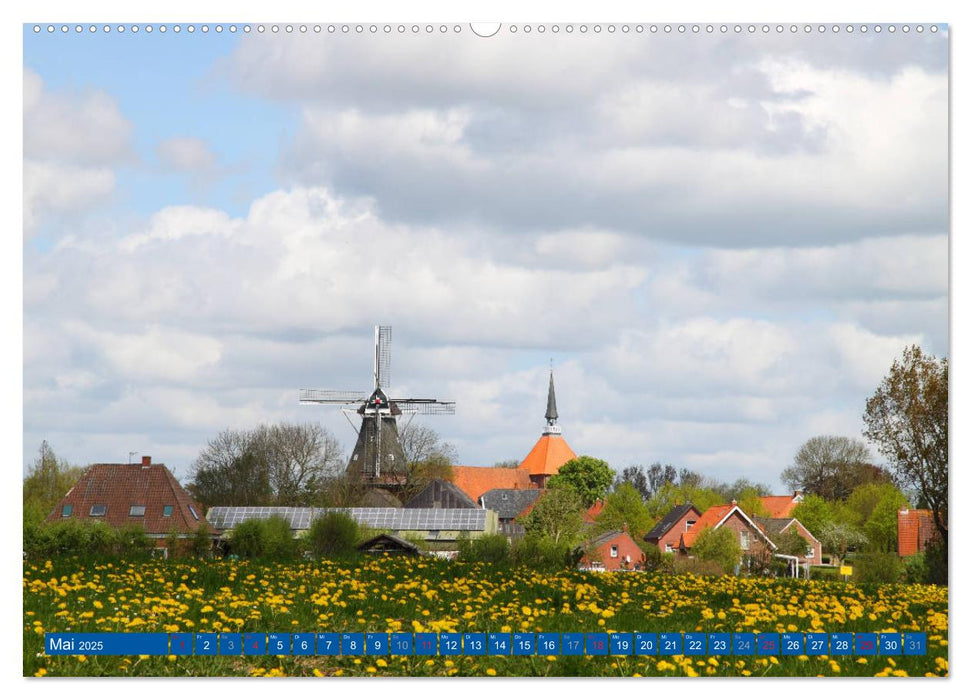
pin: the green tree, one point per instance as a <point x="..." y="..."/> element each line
<point x="830" y="466"/>
<point x="558" y="515"/>
<point x="750" y="501"/>
<point x="720" y="546"/>
<point x="671" y="495"/>
<point x="48" y="479"/>
<point x="792" y="543"/>
<point x="589" y="477"/>
<point x="814" y="513"/>
<point x="907" y="419"/>
<point x="624" y="507"/>
<point x="839" y="538"/>
<point x="202" y="541"/>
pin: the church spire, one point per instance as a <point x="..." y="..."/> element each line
<point x="551" y="414"/>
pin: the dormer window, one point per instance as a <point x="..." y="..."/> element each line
<point x="66" y="510"/>
<point x="136" y="512"/>
<point x="98" y="511"/>
<point x="167" y="511"/>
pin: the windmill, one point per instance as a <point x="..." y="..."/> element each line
<point x="378" y="457"/>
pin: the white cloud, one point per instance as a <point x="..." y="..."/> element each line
<point x="186" y="154"/>
<point x="71" y="143"/>
<point x="85" y="128"/>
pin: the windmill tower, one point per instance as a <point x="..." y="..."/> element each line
<point x="378" y="458"/>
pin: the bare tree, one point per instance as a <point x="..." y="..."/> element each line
<point x="421" y="444"/>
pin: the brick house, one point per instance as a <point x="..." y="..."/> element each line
<point x="755" y="543"/>
<point x="143" y="494"/>
<point x="915" y="529"/>
<point x="778" y="526"/>
<point x="666" y="535"/>
<point x="612" y="551"/>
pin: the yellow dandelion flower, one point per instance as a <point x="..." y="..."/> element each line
<point x="490" y="671"/>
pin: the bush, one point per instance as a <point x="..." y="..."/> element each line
<point x="247" y="539"/>
<point x="719" y="546"/>
<point x="132" y="542"/>
<point x="278" y="541"/>
<point x="936" y="557"/>
<point x="544" y="553"/>
<point x="877" y="567"/>
<point x="264" y="539"/>
<point x="915" y="568"/>
<point x="202" y="542"/>
<point x="334" y="535"/>
<point x="488" y="549"/>
<point x="656" y="560"/>
<point x="698" y="567"/>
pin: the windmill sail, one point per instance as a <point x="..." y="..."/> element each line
<point x="378" y="457"/>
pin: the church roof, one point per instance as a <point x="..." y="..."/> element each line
<point x="547" y="456"/>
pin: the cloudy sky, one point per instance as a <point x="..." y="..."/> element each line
<point x="721" y="241"/>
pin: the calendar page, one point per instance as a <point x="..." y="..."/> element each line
<point x="424" y="349"/>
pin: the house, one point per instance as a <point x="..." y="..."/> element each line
<point x="440" y="494"/>
<point x="778" y="526"/>
<point x="439" y="528"/>
<point x="915" y="529"/>
<point x="591" y="513"/>
<point x="475" y="481"/>
<point x="612" y="551"/>
<point x="389" y="544"/>
<point x="509" y="504"/>
<point x="666" y="535"/>
<point x="781" y="506"/>
<point x="145" y="494"/>
<point x="755" y="543"/>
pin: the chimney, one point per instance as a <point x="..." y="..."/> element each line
<point x="734" y="502"/>
<point x="146" y="461"/>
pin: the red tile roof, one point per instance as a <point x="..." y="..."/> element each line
<point x="779" y="506"/>
<point x="547" y="456"/>
<point x="475" y="481"/>
<point x="590" y="515"/>
<point x="711" y="519"/>
<point x="118" y="487"/>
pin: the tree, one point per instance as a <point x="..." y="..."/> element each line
<point x="507" y="464"/>
<point x="558" y="515"/>
<point x="589" y="477"/>
<point x="742" y="489"/>
<point x="838" y="538"/>
<point x="749" y="500"/>
<point x="48" y="479"/>
<point x="829" y="466"/>
<point x="421" y="443"/>
<point x="624" y="507"/>
<point x="814" y="513"/>
<point x="285" y="464"/>
<point x="907" y="419"/>
<point x="873" y="508"/>
<point x="671" y="495"/>
<point x="720" y="546"/>
<point x="297" y="458"/>
<point x="792" y="543"/>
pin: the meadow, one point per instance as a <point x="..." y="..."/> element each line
<point x="393" y="594"/>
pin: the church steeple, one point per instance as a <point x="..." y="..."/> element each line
<point x="551" y="415"/>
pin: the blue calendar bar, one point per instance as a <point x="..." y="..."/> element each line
<point x="494" y="643"/>
<point x="106" y="644"/>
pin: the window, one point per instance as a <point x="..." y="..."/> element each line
<point x="811" y="552"/>
<point x="167" y="511"/>
<point x="689" y="524"/>
<point x="98" y="511"/>
<point x="66" y="510"/>
<point x="137" y="511"/>
<point x="668" y="547"/>
<point x="743" y="538"/>
<point x="613" y="551"/>
<point x="193" y="511"/>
